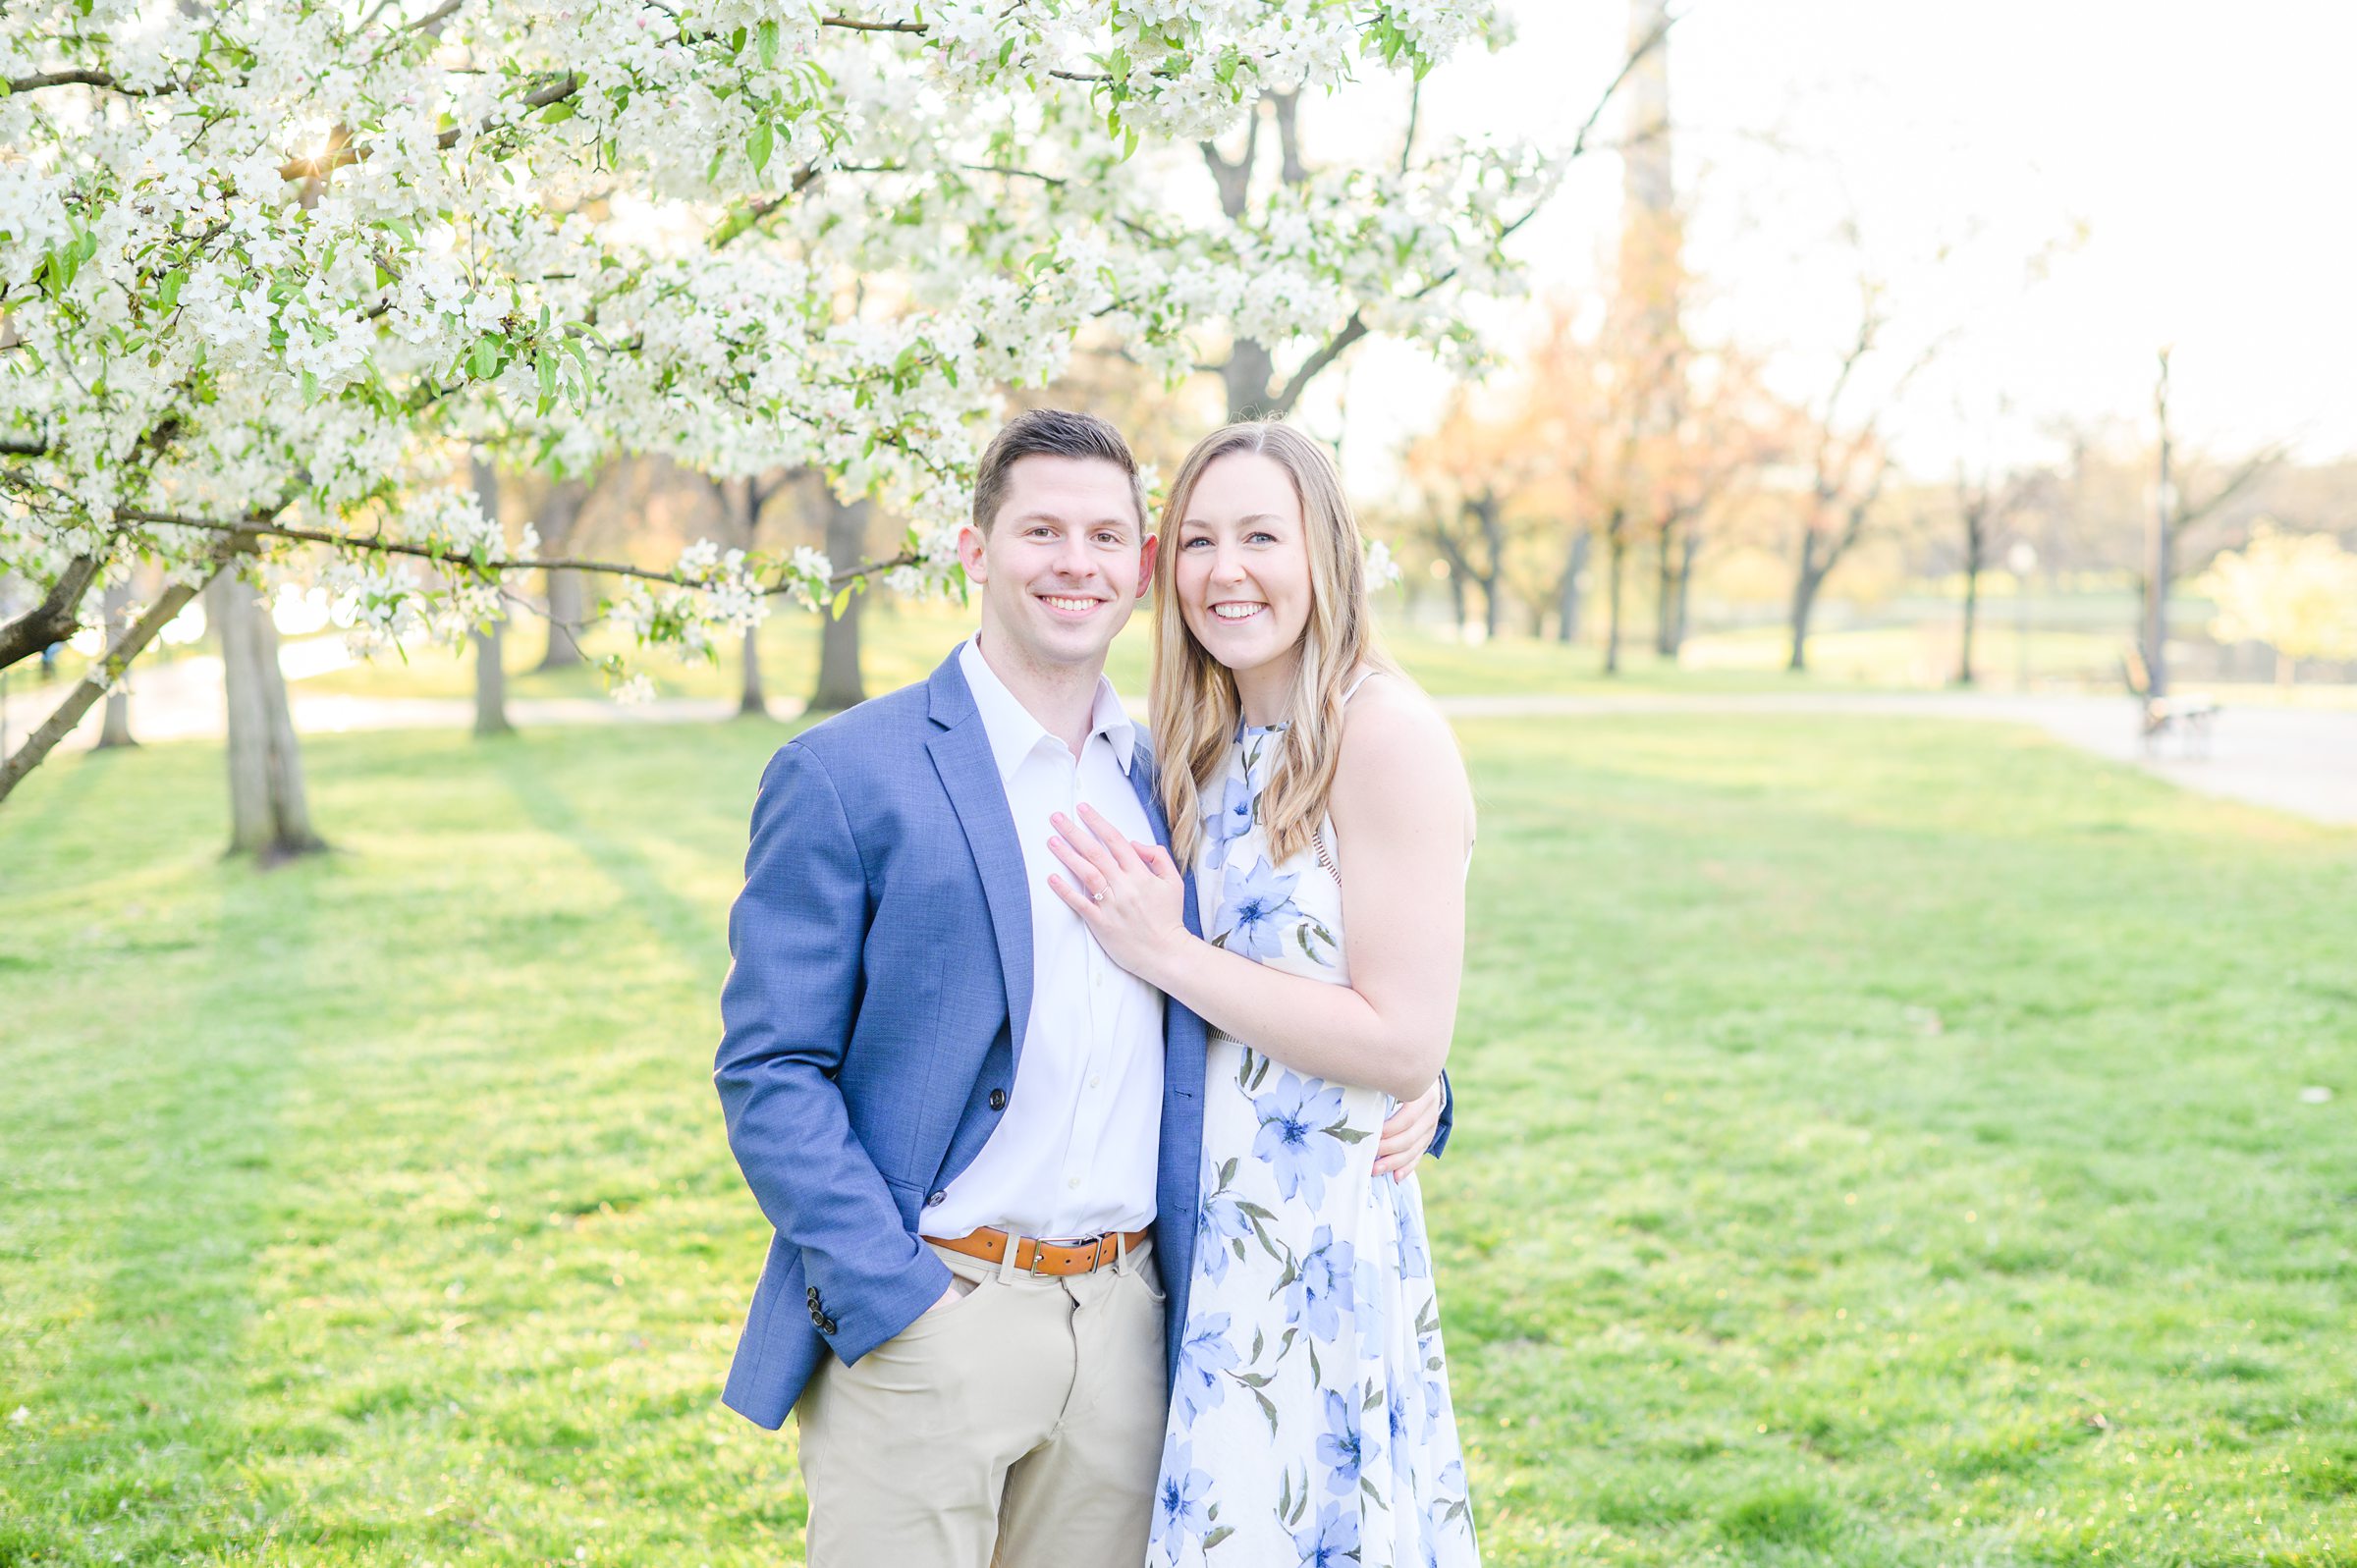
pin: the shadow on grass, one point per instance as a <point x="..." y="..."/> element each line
<point x="687" y="930"/>
<point x="141" y="1431"/>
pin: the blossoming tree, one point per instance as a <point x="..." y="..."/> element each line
<point x="268" y="270"/>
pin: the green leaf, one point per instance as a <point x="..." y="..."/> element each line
<point x="767" y="43"/>
<point x="482" y="360"/>
<point x="561" y="110"/>
<point x="757" y="146"/>
<point x="168" y="286"/>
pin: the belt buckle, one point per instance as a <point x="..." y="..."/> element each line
<point x="1039" y="1254"/>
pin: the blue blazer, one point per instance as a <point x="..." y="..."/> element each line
<point x="871" y="1020"/>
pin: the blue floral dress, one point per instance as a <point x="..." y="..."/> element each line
<point x="1310" y="1421"/>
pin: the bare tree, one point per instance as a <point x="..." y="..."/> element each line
<point x="1849" y="465"/>
<point x="741" y="502"/>
<point x="1255" y="386"/>
<point x="1472" y="540"/>
<point x="2174" y="512"/>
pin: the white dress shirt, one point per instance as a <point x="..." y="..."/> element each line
<point x="1073" y="1154"/>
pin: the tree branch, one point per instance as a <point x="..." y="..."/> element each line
<point x="856" y="25"/>
<point x="2255" y="465"/>
<point x="109" y="668"/>
<point x="557" y="91"/>
<point x="1353" y="330"/>
<point x="54" y="619"/>
<point x="83" y="77"/>
<point x="432" y="23"/>
<point x="1649" y="43"/>
<point x="370" y="544"/>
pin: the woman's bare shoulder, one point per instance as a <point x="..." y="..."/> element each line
<point x="1398" y="746"/>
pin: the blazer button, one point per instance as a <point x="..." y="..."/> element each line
<point x="826" y="1325"/>
<point x="812" y="1293"/>
<point x="998" y="1100"/>
<point x="935" y="1199"/>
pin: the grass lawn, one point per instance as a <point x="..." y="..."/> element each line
<point x="1881" y="1145"/>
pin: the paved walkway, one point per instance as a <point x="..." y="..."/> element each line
<point x="2301" y="760"/>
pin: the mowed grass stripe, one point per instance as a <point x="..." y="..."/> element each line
<point x="1884" y="1145"/>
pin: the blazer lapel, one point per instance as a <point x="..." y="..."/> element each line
<point x="961" y="756"/>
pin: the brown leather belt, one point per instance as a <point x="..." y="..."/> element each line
<point x="1035" y="1257"/>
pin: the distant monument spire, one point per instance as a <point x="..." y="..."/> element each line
<point x="1652" y="238"/>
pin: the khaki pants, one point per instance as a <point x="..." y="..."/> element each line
<point x="1021" y="1426"/>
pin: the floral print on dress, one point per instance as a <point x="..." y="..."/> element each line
<point x="1310" y="1424"/>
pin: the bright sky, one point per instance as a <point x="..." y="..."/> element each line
<point x="2204" y="148"/>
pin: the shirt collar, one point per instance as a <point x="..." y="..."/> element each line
<point x="1015" y="734"/>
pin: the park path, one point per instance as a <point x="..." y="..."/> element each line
<point x="2301" y="760"/>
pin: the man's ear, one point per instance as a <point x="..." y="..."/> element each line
<point x="1145" y="563"/>
<point x="970" y="553"/>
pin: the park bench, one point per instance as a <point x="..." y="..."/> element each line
<point x="2190" y="716"/>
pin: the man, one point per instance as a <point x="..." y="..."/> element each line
<point x="976" y="1137"/>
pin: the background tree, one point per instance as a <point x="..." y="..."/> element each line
<point x="1849" y="465"/>
<point x="489" y="636"/>
<point x="269" y="808"/>
<point x="1985" y="508"/>
<point x="2173" y="513"/>
<point x="2297" y="593"/>
<point x="114" y="729"/>
<point x="566" y="590"/>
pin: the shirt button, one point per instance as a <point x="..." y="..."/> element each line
<point x="1094" y="1080"/>
<point x="1071" y="1181"/>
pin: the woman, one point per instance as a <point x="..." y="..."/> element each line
<point x="1321" y="805"/>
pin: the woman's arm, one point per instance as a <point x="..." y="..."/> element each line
<point x="1400" y="809"/>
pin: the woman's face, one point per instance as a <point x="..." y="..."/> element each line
<point x="1243" y="573"/>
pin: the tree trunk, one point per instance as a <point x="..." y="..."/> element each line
<point x="115" y="730"/>
<point x="1246" y="376"/>
<point x="1566" y="588"/>
<point x="751" y="701"/>
<point x="1664" y="590"/>
<point x="740" y="520"/>
<point x="839" y="682"/>
<point x="1490" y="517"/>
<point x="1616" y="555"/>
<point x="2157" y="568"/>
<point x="1689" y="546"/>
<point x="1804" y="600"/>
<point x="490" y="669"/>
<point x="269" y="815"/>
<point x="1972" y="605"/>
<point x="491" y="681"/>
<point x="567" y="589"/>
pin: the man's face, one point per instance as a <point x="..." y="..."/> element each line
<point x="1064" y="563"/>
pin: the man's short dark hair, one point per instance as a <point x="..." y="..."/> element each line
<point x="1052" y="433"/>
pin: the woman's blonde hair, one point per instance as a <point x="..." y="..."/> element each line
<point x="1196" y="709"/>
